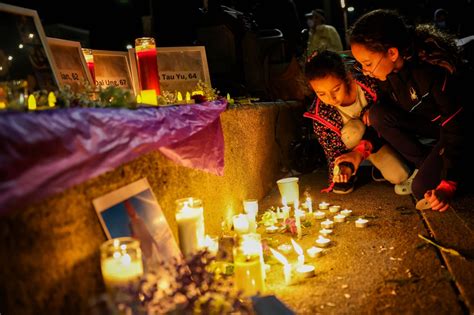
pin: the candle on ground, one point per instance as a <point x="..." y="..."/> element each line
<point x="322" y="241"/>
<point x="248" y="268"/>
<point x="319" y="215"/>
<point x="323" y="205"/>
<point x="190" y="220"/>
<point x="327" y="224"/>
<point x="325" y="232"/>
<point x="299" y="251"/>
<point x="211" y="243"/>
<point x="286" y="266"/>
<point x="241" y="224"/>
<point x="271" y="229"/>
<point x="299" y="232"/>
<point x="314" y="252"/>
<point x="361" y="223"/>
<point x="285" y="248"/>
<point x="309" y="204"/>
<point x="334" y="209"/>
<point x="346" y="212"/>
<point x="305" y="271"/>
<point x="339" y="218"/>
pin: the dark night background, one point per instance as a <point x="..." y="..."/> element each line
<point x="115" y="23"/>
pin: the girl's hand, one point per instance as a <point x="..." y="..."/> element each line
<point x="342" y="173"/>
<point x="437" y="199"/>
<point x="353" y="157"/>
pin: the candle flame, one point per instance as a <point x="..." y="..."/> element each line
<point x="297" y="247"/>
<point x="297" y="204"/>
<point x="180" y="96"/>
<point x="188" y="96"/>
<point x="283" y="201"/>
<point x="282" y="259"/>
<point x="31" y="102"/>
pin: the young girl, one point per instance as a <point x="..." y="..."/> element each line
<point x="428" y="97"/>
<point x="342" y="98"/>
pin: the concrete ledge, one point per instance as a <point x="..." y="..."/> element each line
<point x="49" y="254"/>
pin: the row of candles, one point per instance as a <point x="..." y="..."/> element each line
<point x="121" y="258"/>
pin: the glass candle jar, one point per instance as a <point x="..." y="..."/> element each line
<point x="147" y="63"/>
<point x="90" y="61"/>
<point x="248" y="265"/>
<point x="190" y="220"/>
<point x="121" y="263"/>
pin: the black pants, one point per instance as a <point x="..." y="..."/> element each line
<point x="401" y="128"/>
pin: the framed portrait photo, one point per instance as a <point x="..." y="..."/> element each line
<point x="24" y="50"/>
<point x="112" y="68"/>
<point x="70" y="63"/>
<point x="134" y="211"/>
<point x="179" y="68"/>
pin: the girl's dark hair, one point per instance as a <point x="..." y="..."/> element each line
<point x="379" y="30"/>
<point x="326" y="63"/>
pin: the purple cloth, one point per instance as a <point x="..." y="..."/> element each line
<point x="45" y="152"/>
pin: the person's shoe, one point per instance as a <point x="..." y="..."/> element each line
<point x="404" y="188"/>
<point x="377" y="175"/>
<point x="344" y="188"/>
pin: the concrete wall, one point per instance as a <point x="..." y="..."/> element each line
<point x="49" y="253"/>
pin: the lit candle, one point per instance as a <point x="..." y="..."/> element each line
<point x="319" y="215"/>
<point x="309" y="204"/>
<point x="325" y="232"/>
<point x="346" y="212"/>
<point x="289" y="188"/>
<point x="51" y="99"/>
<point x="190" y="220"/>
<point x="198" y="92"/>
<point x="279" y="213"/>
<point x="327" y="224"/>
<point x="147" y="65"/>
<point x="252" y="220"/>
<point x="248" y="267"/>
<point x="149" y="97"/>
<point x="334" y="209"/>
<point x="271" y="229"/>
<point x="361" y="223"/>
<point x="179" y="97"/>
<point x="31" y="102"/>
<point x="251" y="206"/>
<point x="305" y="271"/>
<point x="121" y="263"/>
<point x="298" y="251"/>
<point x="286" y="266"/>
<point x="323" y="205"/>
<point x="339" y="218"/>
<point x="285" y="248"/>
<point x="299" y="232"/>
<point x="188" y="98"/>
<point x="241" y="223"/>
<point x="89" y="57"/>
<point x="322" y="241"/>
<point x="211" y="243"/>
<point x="314" y="252"/>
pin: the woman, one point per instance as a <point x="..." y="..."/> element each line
<point x="342" y="98"/>
<point x="417" y="70"/>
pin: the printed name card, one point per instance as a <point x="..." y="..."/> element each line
<point x="112" y="68"/>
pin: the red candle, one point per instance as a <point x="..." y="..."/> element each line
<point x="147" y="64"/>
<point x="90" y="62"/>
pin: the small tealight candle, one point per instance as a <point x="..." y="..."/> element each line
<point x="339" y="218"/>
<point x="211" y="243"/>
<point x="361" y="223"/>
<point x="309" y="204"/>
<point x="327" y="224"/>
<point x="241" y="224"/>
<point x="323" y="205"/>
<point x="305" y="271"/>
<point x="322" y="241"/>
<point x="314" y="251"/>
<point x="325" y="232"/>
<point x="271" y="229"/>
<point x="334" y="209"/>
<point x="319" y="215"/>
<point x="285" y="248"/>
<point x="346" y="212"/>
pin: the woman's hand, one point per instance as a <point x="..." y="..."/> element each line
<point x="353" y="157"/>
<point x="438" y="200"/>
<point x="342" y="173"/>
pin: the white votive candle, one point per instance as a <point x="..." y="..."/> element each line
<point x="323" y="205"/>
<point x="339" y="218"/>
<point x="250" y="206"/>
<point x="319" y="215"/>
<point x="285" y="248"/>
<point x="314" y="251"/>
<point x="271" y="229"/>
<point x="309" y="205"/>
<point x="190" y="221"/>
<point x="325" y="232"/>
<point x="305" y="271"/>
<point x="334" y="209"/>
<point x="241" y="224"/>
<point x="322" y="241"/>
<point x="346" y="212"/>
<point x="327" y="224"/>
<point x="361" y="223"/>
